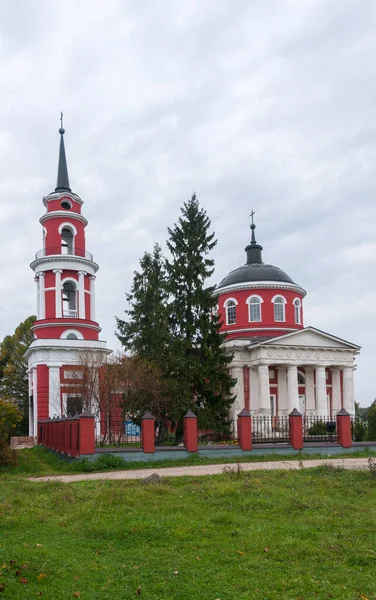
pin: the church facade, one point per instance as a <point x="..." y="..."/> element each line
<point x="278" y="363"/>
<point x="66" y="328"/>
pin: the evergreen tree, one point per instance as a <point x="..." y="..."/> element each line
<point x="198" y="361"/>
<point x="145" y="333"/>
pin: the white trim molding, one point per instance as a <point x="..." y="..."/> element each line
<point x="70" y="225"/>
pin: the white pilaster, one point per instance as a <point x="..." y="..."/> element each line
<point x="81" y="294"/>
<point x="336" y="390"/>
<point x="264" y="390"/>
<point x="58" y="301"/>
<point x="321" y="400"/>
<point x="33" y="415"/>
<point x="348" y="390"/>
<point x="238" y="404"/>
<point x="92" y="298"/>
<point x="42" y="297"/>
<point x="309" y="391"/>
<point x="292" y="388"/>
<point x="282" y="390"/>
<point x="36" y="279"/>
<point x="54" y="404"/>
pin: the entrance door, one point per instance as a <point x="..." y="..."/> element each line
<point x="302" y="403"/>
<point x="273" y="405"/>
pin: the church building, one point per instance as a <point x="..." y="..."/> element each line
<point x="66" y="327"/>
<point x="278" y="363"/>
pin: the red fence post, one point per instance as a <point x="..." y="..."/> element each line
<point x="75" y="442"/>
<point x="344" y="429"/>
<point x="86" y="433"/>
<point x="40" y="432"/>
<point x="147" y="433"/>
<point x="296" y="429"/>
<point x="190" y="432"/>
<point x="245" y="430"/>
<point x="55" y="433"/>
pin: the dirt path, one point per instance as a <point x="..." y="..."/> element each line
<point x="199" y="470"/>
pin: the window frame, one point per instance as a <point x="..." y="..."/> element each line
<point x="259" y="302"/>
<point x="279" y="300"/>
<point x="233" y="304"/>
<point x="297" y="304"/>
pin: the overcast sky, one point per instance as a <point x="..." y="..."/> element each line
<point x="265" y="105"/>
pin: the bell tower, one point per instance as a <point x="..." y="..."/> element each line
<point x="66" y="327"/>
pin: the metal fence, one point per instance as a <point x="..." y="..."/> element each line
<point x="319" y="429"/>
<point x="361" y="430"/>
<point x="227" y="434"/>
<point x="119" y="433"/>
<point x="270" y="430"/>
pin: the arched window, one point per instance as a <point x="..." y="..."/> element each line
<point x="254" y="303"/>
<point x="71" y="334"/>
<point x="70" y="299"/>
<point x="230" y="306"/>
<point x="67" y="241"/>
<point x="297" y="311"/>
<point x="279" y="308"/>
<point x="301" y="378"/>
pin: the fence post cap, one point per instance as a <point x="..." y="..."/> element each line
<point x="343" y="413"/>
<point x="148" y="417"/>
<point x="190" y="415"/>
<point x="86" y="414"/>
<point x="295" y="413"/>
<point x="244" y="413"/>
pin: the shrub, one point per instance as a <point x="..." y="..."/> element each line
<point x="359" y="431"/>
<point x="371" y="417"/>
<point x="9" y="417"/>
<point x="8" y="456"/>
<point x="105" y="462"/>
<point x="318" y="428"/>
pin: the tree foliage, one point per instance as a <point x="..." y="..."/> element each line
<point x="14" y="385"/>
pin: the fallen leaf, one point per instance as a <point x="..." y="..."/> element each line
<point x="38" y="545"/>
<point x="239" y="552"/>
<point x="76" y="594"/>
<point x="12" y="562"/>
<point x="76" y="577"/>
<point x="138" y="591"/>
<point x="135" y="566"/>
<point x="23" y="580"/>
<point x="266" y="549"/>
<point x="2" y="587"/>
<point x="26" y="544"/>
<point x="41" y="576"/>
<point x="176" y="572"/>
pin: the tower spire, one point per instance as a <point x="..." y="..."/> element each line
<point x="253" y="249"/>
<point x="62" y="184"/>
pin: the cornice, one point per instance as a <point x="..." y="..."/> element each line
<point x="58" y="195"/>
<point x="63" y="214"/>
<point x="65" y="258"/>
<point x="259" y="285"/>
<point x="74" y="323"/>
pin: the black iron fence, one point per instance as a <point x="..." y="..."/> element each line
<point x="226" y="434"/>
<point x="270" y="430"/>
<point x="118" y="432"/>
<point x="319" y="428"/>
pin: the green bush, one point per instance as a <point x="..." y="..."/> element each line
<point x="318" y="428"/>
<point x="105" y="462"/>
<point x="359" y="431"/>
<point x="371" y="417"/>
<point x="8" y="456"/>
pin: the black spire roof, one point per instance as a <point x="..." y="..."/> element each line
<point x="62" y="184"/>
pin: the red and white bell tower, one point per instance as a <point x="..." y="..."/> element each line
<point x="65" y="286"/>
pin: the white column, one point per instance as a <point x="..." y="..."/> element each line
<point x="292" y="388"/>
<point x="36" y="279"/>
<point x="282" y="390"/>
<point x="54" y="404"/>
<point x="264" y="390"/>
<point x="92" y="298"/>
<point x="253" y="390"/>
<point x="33" y="416"/>
<point x="42" y="297"/>
<point x="81" y="294"/>
<point x="348" y="390"/>
<point x="321" y="400"/>
<point x="309" y="391"/>
<point x="238" y="404"/>
<point x="58" y="301"/>
<point x="336" y="390"/>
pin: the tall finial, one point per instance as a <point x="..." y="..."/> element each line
<point x="61" y="130"/>
<point x="253" y="249"/>
<point x="253" y="227"/>
<point x="62" y="184"/>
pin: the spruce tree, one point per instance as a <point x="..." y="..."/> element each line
<point x="198" y="361"/>
<point x="145" y="333"/>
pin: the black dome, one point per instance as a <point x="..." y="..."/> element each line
<point x="255" y="272"/>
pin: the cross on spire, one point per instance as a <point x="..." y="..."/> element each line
<point x="251" y="214"/>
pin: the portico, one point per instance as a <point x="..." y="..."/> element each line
<point x="309" y="370"/>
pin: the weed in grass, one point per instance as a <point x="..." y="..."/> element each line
<point x="372" y="465"/>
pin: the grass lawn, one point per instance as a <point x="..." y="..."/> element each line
<point x="302" y="534"/>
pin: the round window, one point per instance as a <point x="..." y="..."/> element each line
<point x="66" y="205"/>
